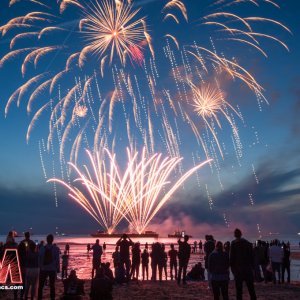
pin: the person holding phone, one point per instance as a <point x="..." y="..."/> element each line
<point x="125" y="243"/>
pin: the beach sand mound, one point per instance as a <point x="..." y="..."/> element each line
<point x="170" y="290"/>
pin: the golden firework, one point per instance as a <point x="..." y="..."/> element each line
<point x="114" y="27"/>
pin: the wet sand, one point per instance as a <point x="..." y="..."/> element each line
<point x="170" y="290"/>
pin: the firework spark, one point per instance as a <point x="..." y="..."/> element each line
<point x="208" y="102"/>
<point x="108" y="196"/>
<point x="108" y="25"/>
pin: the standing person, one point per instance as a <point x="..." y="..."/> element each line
<point x="40" y="245"/>
<point x="286" y="263"/>
<point x="125" y="243"/>
<point x="173" y="254"/>
<point x="88" y="248"/>
<point x="276" y="256"/>
<point x="64" y="265"/>
<point x="195" y="246"/>
<point x="116" y="259"/>
<point x="209" y="247"/>
<point x="200" y="247"/>
<point x="218" y="266"/>
<point x="256" y="253"/>
<point x="164" y="261"/>
<point x="49" y="266"/>
<point x="136" y="260"/>
<point x="183" y="256"/>
<point x="227" y="247"/>
<point x="97" y="252"/>
<point x="242" y="265"/>
<point x="67" y="248"/>
<point x="146" y="246"/>
<point x="263" y="258"/>
<point x="152" y="262"/>
<point x="104" y="247"/>
<point x="32" y="271"/>
<point x="145" y="264"/>
<point x="23" y="250"/>
<point x="156" y="261"/>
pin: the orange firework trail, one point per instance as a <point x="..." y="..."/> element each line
<point x="108" y="25"/>
<point x="136" y="195"/>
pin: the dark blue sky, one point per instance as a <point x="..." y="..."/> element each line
<point x="270" y="137"/>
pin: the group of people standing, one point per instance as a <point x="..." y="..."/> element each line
<point x="41" y="263"/>
<point x="246" y="263"/>
<point x="127" y="269"/>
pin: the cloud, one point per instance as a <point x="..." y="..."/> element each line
<point x="194" y="228"/>
<point x="24" y="208"/>
<point x="275" y="209"/>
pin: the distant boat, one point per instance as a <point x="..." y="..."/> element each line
<point x="178" y="234"/>
<point x="146" y="234"/>
<point x="61" y="234"/>
<point x="15" y="234"/>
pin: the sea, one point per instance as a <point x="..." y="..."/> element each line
<point x="81" y="261"/>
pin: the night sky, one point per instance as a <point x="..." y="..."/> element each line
<point x="268" y="171"/>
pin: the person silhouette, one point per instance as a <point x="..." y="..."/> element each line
<point x="173" y="254"/>
<point x="145" y="264"/>
<point x="64" y="265"/>
<point x="49" y="266"/>
<point x="67" y="248"/>
<point x="242" y="265"/>
<point x="184" y="257"/>
<point x="125" y="243"/>
<point x="101" y="286"/>
<point x="23" y="250"/>
<point x="136" y="260"/>
<point x="218" y="266"/>
<point x="97" y="253"/>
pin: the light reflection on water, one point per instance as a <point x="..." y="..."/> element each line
<point x="82" y="262"/>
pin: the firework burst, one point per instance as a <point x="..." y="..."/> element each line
<point x="208" y="102"/>
<point x="110" y="26"/>
<point x="108" y="196"/>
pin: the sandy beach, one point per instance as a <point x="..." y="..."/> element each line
<point x="170" y="290"/>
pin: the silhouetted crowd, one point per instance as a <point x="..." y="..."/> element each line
<point x="263" y="261"/>
<point x="248" y="263"/>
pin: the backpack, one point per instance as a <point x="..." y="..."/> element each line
<point x="48" y="256"/>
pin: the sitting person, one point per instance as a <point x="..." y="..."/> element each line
<point x="197" y="273"/>
<point x="120" y="274"/>
<point x="101" y="287"/>
<point x="108" y="271"/>
<point x="73" y="287"/>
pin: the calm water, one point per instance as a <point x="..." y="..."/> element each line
<point x="81" y="261"/>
